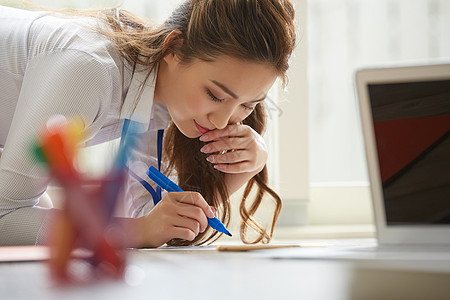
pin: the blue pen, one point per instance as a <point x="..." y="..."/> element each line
<point x="166" y="184"/>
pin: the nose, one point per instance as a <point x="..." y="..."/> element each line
<point x="220" y="118"/>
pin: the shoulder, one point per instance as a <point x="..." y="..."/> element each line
<point x="52" y="33"/>
<point x="71" y="71"/>
<point x="72" y="82"/>
<point x="75" y="50"/>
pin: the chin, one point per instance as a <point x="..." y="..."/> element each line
<point x="192" y="134"/>
<point x="188" y="129"/>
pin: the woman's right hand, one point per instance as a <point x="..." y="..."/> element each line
<point x="178" y="215"/>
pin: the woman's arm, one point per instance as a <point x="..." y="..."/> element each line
<point x="235" y="181"/>
<point x="67" y="82"/>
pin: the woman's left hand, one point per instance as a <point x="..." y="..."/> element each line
<point x="235" y="149"/>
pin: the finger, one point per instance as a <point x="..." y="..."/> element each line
<point x="214" y="209"/>
<point x="181" y="233"/>
<point x="195" y="213"/>
<point x="194" y="198"/>
<point x="187" y="223"/>
<point x="232" y="130"/>
<point x="228" y="144"/>
<point x="229" y="157"/>
<point x="241" y="167"/>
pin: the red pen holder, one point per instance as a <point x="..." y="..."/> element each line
<point x="81" y="231"/>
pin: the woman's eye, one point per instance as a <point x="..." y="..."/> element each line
<point x="248" y="107"/>
<point x="213" y="98"/>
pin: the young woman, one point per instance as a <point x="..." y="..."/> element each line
<point x="203" y="76"/>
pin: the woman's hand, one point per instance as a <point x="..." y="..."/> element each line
<point x="235" y="149"/>
<point x="178" y="215"/>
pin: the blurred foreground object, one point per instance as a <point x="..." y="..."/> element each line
<point x="85" y="222"/>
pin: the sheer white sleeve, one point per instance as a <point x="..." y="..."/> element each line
<point x="67" y="82"/>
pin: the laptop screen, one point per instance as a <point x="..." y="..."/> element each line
<point x="412" y="133"/>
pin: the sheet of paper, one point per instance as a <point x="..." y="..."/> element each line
<point x="243" y="247"/>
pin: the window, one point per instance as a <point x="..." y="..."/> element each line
<point x="156" y="10"/>
<point x="344" y="35"/>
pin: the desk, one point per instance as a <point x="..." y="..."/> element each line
<point x="205" y="273"/>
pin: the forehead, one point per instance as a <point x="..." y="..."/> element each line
<point x="247" y="79"/>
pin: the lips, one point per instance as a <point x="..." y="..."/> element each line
<point x="201" y="129"/>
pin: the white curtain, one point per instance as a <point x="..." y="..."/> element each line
<point x="344" y="35"/>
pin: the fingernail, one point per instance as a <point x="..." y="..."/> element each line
<point x="204" y="149"/>
<point x="214" y="210"/>
<point x="218" y="167"/>
<point x="210" y="158"/>
<point x="204" y="137"/>
<point x="211" y="214"/>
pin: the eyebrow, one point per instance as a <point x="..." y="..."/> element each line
<point x="229" y="92"/>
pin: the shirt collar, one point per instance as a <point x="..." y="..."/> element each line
<point x="141" y="111"/>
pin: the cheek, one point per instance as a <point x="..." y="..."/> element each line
<point x="195" y="102"/>
<point x="240" y="116"/>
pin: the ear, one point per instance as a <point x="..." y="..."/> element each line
<point x="172" y="42"/>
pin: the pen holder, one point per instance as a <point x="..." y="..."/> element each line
<point x="81" y="231"/>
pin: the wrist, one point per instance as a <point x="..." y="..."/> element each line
<point x="132" y="231"/>
<point x="259" y="169"/>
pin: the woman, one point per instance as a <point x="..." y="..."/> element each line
<point x="205" y="71"/>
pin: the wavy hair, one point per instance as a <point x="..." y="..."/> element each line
<point x="260" y="31"/>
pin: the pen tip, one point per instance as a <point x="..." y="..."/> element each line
<point x="229" y="234"/>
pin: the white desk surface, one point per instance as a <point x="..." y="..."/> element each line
<point x="204" y="273"/>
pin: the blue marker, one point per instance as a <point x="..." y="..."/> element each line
<point x="168" y="185"/>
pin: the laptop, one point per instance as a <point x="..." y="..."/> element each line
<point x="405" y="114"/>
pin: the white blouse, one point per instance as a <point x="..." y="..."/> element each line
<point x="51" y="65"/>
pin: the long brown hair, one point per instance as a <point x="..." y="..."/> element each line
<point x="260" y="31"/>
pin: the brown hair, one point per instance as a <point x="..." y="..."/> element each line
<point x="260" y="31"/>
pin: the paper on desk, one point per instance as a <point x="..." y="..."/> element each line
<point x="251" y="247"/>
<point x="235" y="247"/>
<point x="180" y="248"/>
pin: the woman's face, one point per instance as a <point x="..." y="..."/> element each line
<point x="203" y="96"/>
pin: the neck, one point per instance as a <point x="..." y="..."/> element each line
<point x="159" y="85"/>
